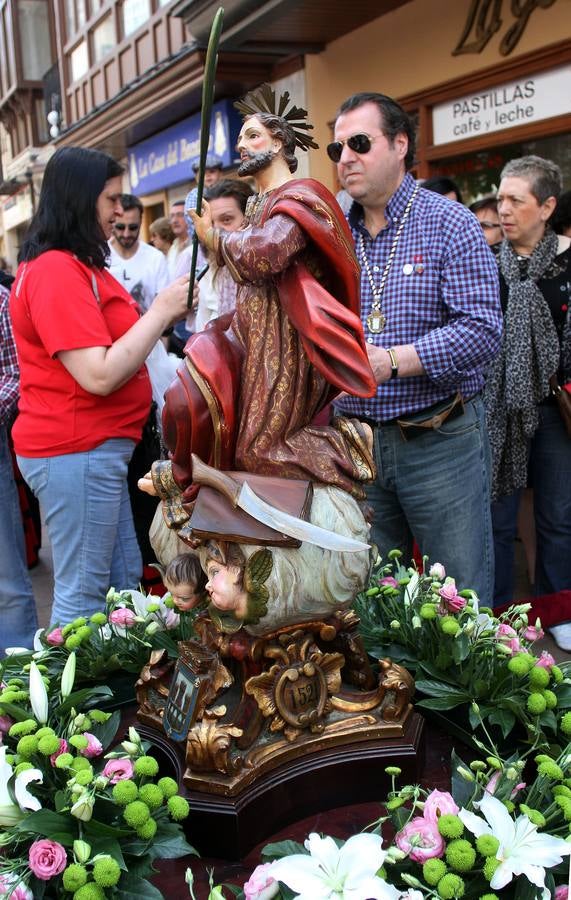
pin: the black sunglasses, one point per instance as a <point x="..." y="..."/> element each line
<point x="358" y="143"/>
<point x="120" y="226"/>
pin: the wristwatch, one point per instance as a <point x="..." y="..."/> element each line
<point x="394" y="363"/>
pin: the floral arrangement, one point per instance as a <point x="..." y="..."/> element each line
<point x="461" y="653"/>
<point x="77" y="822"/>
<point x="120" y="639"/>
<point x="494" y="834"/>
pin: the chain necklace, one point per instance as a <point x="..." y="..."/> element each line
<point x="376" y="320"/>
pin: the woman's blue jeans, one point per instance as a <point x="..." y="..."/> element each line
<point x="18" y="618"/>
<point x="550" y="473"/>
<point x="85" y="503"/>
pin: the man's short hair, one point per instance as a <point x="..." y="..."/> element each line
<point x="230" y="187"/>
<point x="393" y="119"/>
<point x="489" y="202"/>
<point x="129" y="201"/>
<point x="177" y="203"/>
<point x="543" y="175"/>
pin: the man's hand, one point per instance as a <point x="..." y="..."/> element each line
<point x="201" y="223"/>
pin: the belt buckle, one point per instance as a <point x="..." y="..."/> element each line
<point x="411" y="429"/>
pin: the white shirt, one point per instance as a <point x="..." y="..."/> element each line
<point x="143" y="275"/>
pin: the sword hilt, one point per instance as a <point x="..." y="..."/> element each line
<point x="220" y="481"/>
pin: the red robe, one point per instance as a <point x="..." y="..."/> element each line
<point x="246" y="395"/>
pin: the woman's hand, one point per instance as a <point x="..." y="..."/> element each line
<point x="146" y="484"/>
<point x="203" y="222"/>
<point x="171" y="302"/>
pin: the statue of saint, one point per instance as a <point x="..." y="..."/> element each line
<point x="253" y="382"/>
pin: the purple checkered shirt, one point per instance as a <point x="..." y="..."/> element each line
<point x="448" y="306"/>
<point x="9" y="372"/>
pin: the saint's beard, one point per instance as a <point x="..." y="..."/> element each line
<point x="255" y="162"/>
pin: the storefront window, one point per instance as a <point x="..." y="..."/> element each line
<point x="34" y="38"/>
<point x="79" y="61"/>
<point x="478" y="174"/>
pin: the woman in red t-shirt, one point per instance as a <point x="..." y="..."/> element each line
<point x="84" y="388"/>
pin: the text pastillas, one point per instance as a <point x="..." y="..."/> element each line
<point x="530" y="99"/>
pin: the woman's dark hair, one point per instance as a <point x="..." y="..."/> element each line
<point x="66" y="218"/>
<point x="561" y="218"/>
<point x="441" y="184"/>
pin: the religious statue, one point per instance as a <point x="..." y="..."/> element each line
<point x="268" y="499"/>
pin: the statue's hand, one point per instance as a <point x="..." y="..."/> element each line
<point x="203" y="222"/>
<point x="146" y="484"/>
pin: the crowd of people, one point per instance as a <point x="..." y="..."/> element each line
<point x="465" y="317"/>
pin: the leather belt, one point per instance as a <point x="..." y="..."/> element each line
<point x="424" y="420"/>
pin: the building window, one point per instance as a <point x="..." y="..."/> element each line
<point x="79" y="61"/>
<point x="34" y="38"/>
<point x="135" y="14"/>
<point x="104" y="39"/>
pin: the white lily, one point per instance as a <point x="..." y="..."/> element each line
<point x="68" y="676"/>
<point x="411" y="589"/>
<point x="38" y="694"/>
<point x="522" y="850"/>
<point x="333" y="873"/>
<point x="10" y="812"/>
<point x="167" y="618"/>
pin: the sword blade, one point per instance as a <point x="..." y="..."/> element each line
<point x="251" y="503"/>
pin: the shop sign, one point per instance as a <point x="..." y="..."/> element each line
<point x="167" y="158"/>
<point x="516" y="103"/>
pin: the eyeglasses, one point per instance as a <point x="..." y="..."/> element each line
<point x="488" y="225"/>
<point x="120" y="226"/>
<point x="358" y="143"/>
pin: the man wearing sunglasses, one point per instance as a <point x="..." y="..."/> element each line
<point x="141" y="269"/>
<point x="432" y="320"/>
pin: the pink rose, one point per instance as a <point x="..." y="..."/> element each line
<point x="47" y="859"/>
<point x="62" y="749"/>
<point x="451" y="600"/>
<point x="390" y="581"/>
<point x="118" y="769"/>
<point x="545" y="661"/>
<point x="20" y="892"/>
<point x="439" y="803"/>
<point x="94" y="746"/>
<point x="122" y="616"/>
<point x="561" y="892"/>
<point x="437" y="571"/>
<point x="5" y="724"/>
<point x="55" y="637"/>
<point x="533" y="633"/>
<point x="509" y="638"/>
<point x="421" y="840"/>
<point x="261" y="885"/>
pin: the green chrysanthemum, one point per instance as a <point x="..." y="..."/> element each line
<point x="536" y="703"/>
<point x="460" y="855"/>
<point x="428" y="611"/>
<point x="27" y="746"/>
<point x="564" y="804"/>
<point x="394" y="803"/>
<point x="450" y="826"/>
<point x="147" y="830"/>
<point x="179" y="808"/>
<point x="538" y="678"/>
<point x="487" y="845"/>
<point x="18" y="729"/>
<point x="90" y="891"/>
<point x="550" y="769"/>
<point x="125" y="792"/>
<point x="21" y="767"/>
<point x="44" y="732"/>
<point x="152" y="795"/>
<point x="557" y="674"/>
<point x="566" y="724"/>
<point x="146" y="765"/>
<point x="562" y="790"/>
<point x="489" y="897"/>
<point x="79" y="763"/>
<point x="64" y="761"/>
<point x="98" y="716"/>
<point x="490" y="867"/>
<point x="534" y="815"/>
<point x="48" y="744"/>
<point x="451" y="886"/>
<point x="433" y="870"/>
<point x="79" y="741"/>
<point x="99" y="618"/>
<point x="106" y="871"/>
<point x="84" y="633"/>
<point x="449" y="625"/>
<point x="518" y="665"/>
<point x="136" y="813"/>
<point x="550" y="698"/>
<point x="168" y="786"/>
<point x="74" y="877"/>
<point x="84" y="776"/>
<point x="72" y="642"/>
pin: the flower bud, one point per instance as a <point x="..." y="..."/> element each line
<point x="151" y="629"/>
<point x="130" y="748"/>
<point x="68" y="676"/>
<point x="82" y="809"/>
<point x="416" y="622"/>
<point x="394" y="625"/>
<point x="81" y="851"/>
<point x="412" y="881"/>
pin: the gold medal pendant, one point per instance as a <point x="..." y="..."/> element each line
<point x="376" y="321"/>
